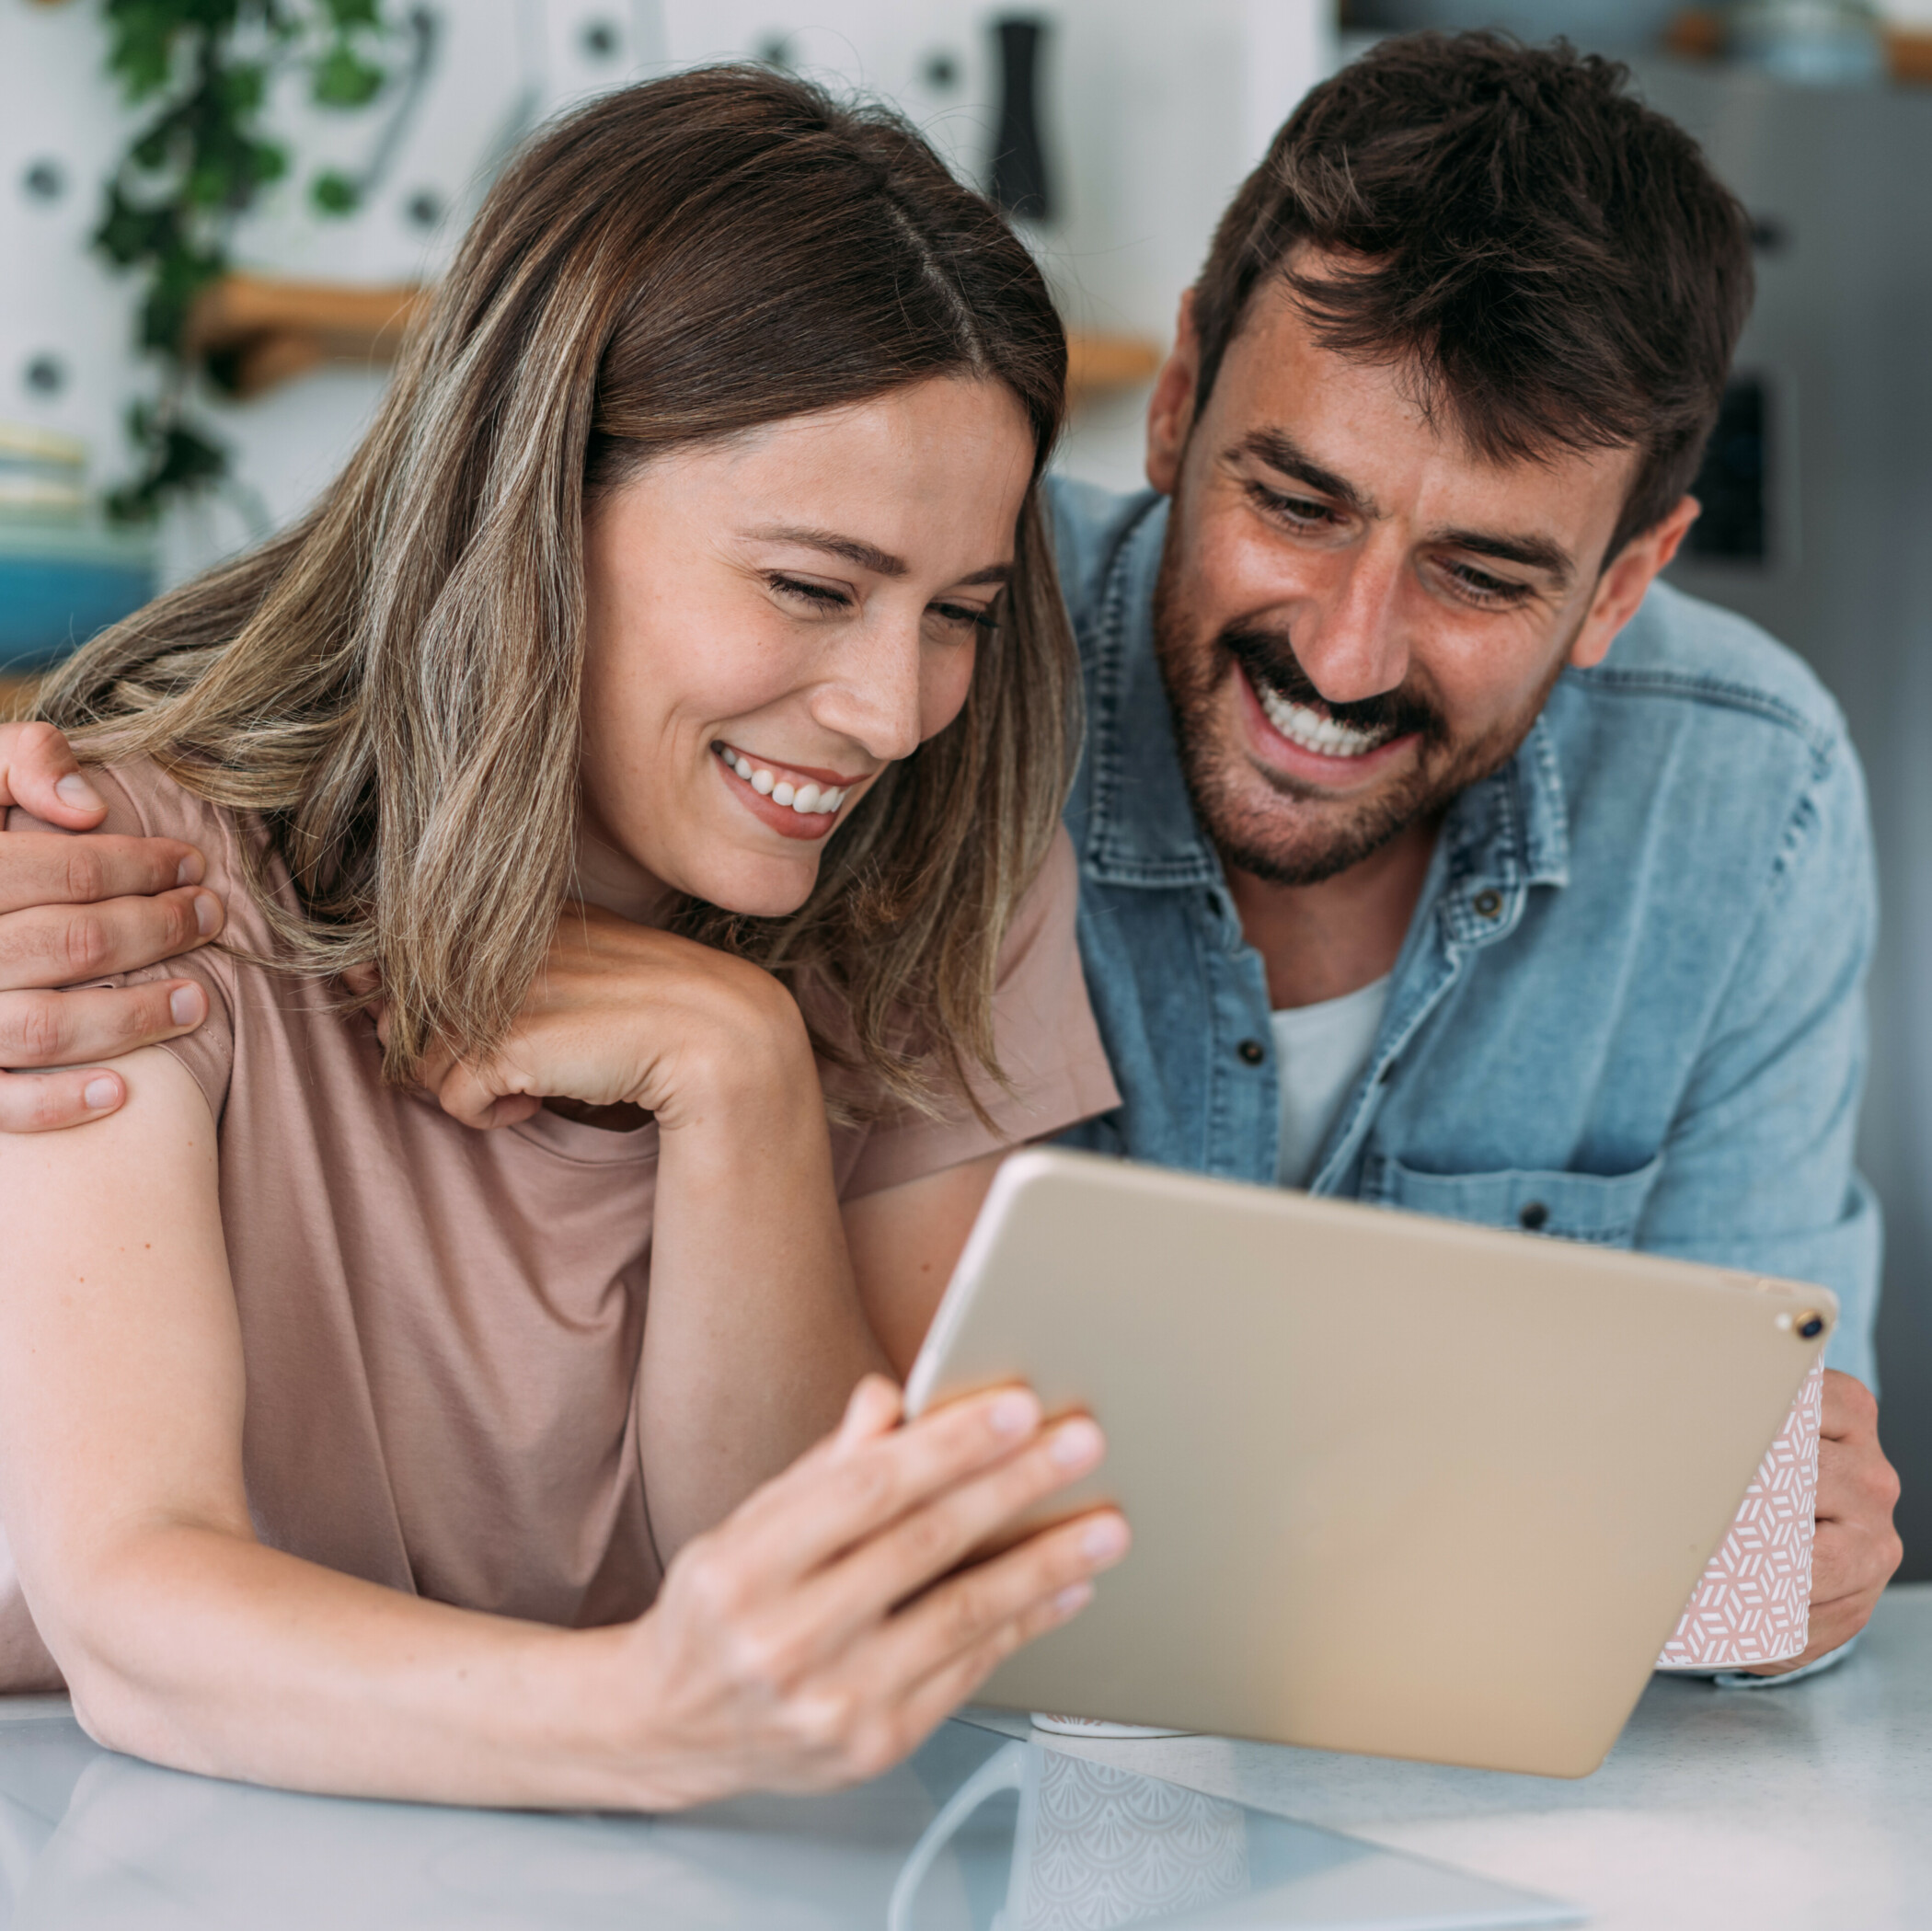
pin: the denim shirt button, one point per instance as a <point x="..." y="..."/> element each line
<point x="1488" y="903"/>
<point x="1252" y="1053"/>
<point x="1535" y="1216"/>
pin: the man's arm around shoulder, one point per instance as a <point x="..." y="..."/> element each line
<point x="75" y="909"/>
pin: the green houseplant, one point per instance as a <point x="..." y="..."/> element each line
<point x="200" y="71"/>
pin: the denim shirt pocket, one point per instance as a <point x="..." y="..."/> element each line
<point x="1603" y="1209"/>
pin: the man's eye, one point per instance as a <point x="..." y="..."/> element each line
<point x="1479" y="585"/>
<point x="822" y="595"/>
<point x="1303" y="511"/>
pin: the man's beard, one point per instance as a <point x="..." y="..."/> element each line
<point x="1301" y="836"/>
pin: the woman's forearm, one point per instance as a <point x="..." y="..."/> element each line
<point x="755" y="1334"/>
<point x="201" y="1649"/>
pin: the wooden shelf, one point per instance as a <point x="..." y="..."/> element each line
<point x="261" y="332"/>
<point x="1099" y="364"/>
<point x="1697" y="33"/>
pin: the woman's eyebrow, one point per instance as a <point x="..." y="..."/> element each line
<point x="867" y="556"/>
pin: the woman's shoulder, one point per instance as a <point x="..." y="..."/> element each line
<point x="145" y="801"/>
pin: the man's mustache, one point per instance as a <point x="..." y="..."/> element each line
<point x="1270" y="661"/>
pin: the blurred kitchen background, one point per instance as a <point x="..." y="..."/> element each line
<point x="1119" y="128"/>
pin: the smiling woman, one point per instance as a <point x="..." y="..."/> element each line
<point x="657" y="733"/>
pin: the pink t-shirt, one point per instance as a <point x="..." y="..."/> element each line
<point x="441" y="1327"/>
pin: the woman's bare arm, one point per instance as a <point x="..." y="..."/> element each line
<point x="805" y="1641"/>
<point x="756" y="1335"/>
<point x="905" y="1241"/>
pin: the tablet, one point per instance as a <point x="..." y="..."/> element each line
<point x="1397" y="1485"/>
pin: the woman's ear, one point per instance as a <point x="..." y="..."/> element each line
<point x="1170" y="414"/>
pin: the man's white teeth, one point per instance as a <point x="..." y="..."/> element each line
<point x="805" y="799"/>
<point x="1315" y="730"/>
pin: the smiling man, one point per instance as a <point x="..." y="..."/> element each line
<point x="1433" y="853"/>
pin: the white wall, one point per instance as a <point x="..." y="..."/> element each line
<point x="1155" y="110"/>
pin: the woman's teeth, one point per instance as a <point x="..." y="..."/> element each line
<point x="806" y="799"/>
<point x="1315" y="730"/>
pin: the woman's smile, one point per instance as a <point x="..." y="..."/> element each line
<point x="795" y="800"/>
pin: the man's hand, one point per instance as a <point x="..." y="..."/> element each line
<point x="1857" y="1548"/>
<point x="75" y="909"/>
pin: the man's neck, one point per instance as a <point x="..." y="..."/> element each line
<point x="1323" y="941"/>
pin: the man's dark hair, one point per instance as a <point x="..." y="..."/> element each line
<point x="1553" y="259"/>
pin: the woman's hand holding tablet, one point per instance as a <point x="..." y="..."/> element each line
<point x="822" y="1630"/>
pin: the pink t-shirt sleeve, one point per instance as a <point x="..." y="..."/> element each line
<point x="1044" y="1034"/>
<point x="143" y="804"/>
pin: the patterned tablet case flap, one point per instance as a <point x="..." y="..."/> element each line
<point x="1754" y="1599"/>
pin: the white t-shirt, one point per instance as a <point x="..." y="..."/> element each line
<point x="1319" y="1053"/>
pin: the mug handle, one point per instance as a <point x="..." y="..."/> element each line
<point x="1005" y="1770"/>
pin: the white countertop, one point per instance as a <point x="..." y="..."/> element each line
<point x="1768" y="1810"/>
<point x="1804" y="1809"/>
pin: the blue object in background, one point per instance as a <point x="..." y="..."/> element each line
<point x="58" y="585"/>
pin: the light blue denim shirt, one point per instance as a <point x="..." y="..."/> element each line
<point x="1630" y="1006"/>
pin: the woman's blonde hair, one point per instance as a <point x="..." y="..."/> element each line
<point x="392" y="685"/>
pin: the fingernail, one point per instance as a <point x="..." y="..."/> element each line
<point x="184" y="1006"/>
<point x="1017" y="1412"/>
<point x="74" y="789"/>
<point x="1104" y="1538"/>
<point x="189" y="872"/>
<point x="100" y="1093"/>
<point x="207" y="913"/>
<point x="1077" y="1444"/>
<point x="1074" y="1597"/>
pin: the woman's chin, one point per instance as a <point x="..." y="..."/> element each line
<point x="757" y="887"/>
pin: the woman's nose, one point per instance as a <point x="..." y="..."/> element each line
<point x="873" y="695"/>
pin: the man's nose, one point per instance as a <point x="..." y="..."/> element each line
<point x="873" y="696"/>
<point x="1352" y="643"/>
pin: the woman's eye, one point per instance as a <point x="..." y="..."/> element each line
<point x="967" y="616"/>
<point x="1303" y="511"/>
<point x="821" y="596"/>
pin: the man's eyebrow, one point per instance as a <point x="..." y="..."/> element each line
<point x="867" y="556"/>
<point x="1283" y="453"/>
<point x="1538" y="553"/>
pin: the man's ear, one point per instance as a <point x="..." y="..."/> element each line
<point x="1170" y="415"/>
<point x="1625" y="581"/>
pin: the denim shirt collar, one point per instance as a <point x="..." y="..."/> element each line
<point x="1505" y="834"/>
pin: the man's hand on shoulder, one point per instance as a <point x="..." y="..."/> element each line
<point x="75" y="909"/>
<point x="1857" y="1548"/>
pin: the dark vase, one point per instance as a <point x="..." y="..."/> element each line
<point x="1019" y="175"/>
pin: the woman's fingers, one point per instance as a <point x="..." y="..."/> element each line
<point x="477" y="1096"/>
<point x="927" y="1703"/>
<point x="930" y="1657"/>
<point x="909" y="1555"/>
<point x="834" y="1497"/>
